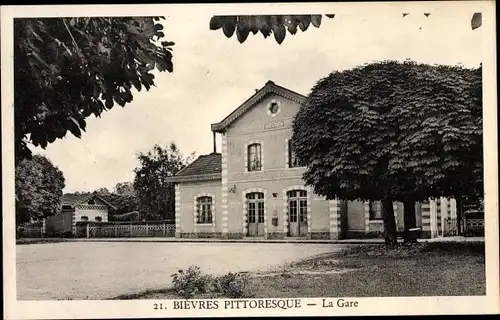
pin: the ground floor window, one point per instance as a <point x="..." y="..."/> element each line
<point x="255" y="207"/>
<point x="297" y="206"/>
<point x="204" y="210"/>
<point x="375" y="210"/>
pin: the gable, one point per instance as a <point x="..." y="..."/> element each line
<point x="257" y="107"/>
<point x="71" y="200"/>
<point x="260" y="119"/>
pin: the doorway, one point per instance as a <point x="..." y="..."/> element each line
<point x="255" y="214"/>
<point x="297" y="213"/>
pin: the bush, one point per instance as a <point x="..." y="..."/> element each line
<point x="234" y="285"/>
<point x="191" y="282"/>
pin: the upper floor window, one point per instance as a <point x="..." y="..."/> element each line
<point x="254" y="157"/>
<point x="273" y="107"/>
<point x="375" y="210"/>
<point x="98" y="219"/>
<point x="293" y="160"/>
<point x="204" y="210"/>
<point x="84" y="218"/>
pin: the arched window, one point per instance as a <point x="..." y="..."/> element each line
<point x="293" y="161"/>
<point x="254" y="161"/>
<point x="255" y="207"/>
<point x="204" y="210"/>
<point x="84" y="218"/>
<point x="98" y="219"/>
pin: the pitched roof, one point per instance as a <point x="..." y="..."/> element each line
<point x="206" y="167"/>
<point x="71" y="199"/>
<point x="269" y="88"/>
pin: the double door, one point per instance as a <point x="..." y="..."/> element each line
<point x="297" y="213"/>
<point x="255" y="214"/>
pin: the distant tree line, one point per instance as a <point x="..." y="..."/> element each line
<point x="39" y="188"/>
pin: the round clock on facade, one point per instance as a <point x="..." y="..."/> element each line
<point x="273" y="107"/>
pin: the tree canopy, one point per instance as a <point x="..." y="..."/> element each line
<point x="70" y="68"/>
<point x="125" y="198"/>
<point x="124" y="188"/>
<point x="393" y="120"/>
<point x="393" y="131"/>
<point x="39" y="186"/>
<point x="156" y="195"/>
<point x="278" y="25"/>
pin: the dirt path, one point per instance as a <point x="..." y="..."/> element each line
<point x="101" y="270"/>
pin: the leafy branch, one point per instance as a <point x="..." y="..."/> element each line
<point x="278" y="25"/>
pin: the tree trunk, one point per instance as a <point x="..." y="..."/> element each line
<point x="460" y="209"/>
<point x="410" y="221"/>
<point x="390" y="232"/>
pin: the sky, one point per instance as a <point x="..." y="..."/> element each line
<point x="213" y="75"/>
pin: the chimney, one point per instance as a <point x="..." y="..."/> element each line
<point x="215" y="145"/>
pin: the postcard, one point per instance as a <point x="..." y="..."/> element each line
<point x="274" y="159"/>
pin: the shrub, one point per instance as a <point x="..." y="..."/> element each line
<point x="191" y="282"/>
<point x="234" y="285"/>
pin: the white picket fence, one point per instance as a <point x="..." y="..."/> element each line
<point x="125" y="230"/>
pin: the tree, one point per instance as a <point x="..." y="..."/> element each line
<point x="392" y="131"/>
<point x="38" y="186"/>
<point x="278" y="25"/>
<point x="440" y="137"/>
<point x="70" y="68"/>
<point x="124" y="188"/>
<point x="156" y="195"/>
<point x="125" y="198"/>
<point x="103" y="191"/>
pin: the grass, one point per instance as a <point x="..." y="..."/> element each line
<point x="425" y="269"/>
<point x="433" y="269"/>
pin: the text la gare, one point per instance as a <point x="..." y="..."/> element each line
<point x="339" y="303"/>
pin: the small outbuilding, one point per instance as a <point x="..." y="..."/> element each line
<point x="78" y="207"/>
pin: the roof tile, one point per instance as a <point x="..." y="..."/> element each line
<point x="72" y="199"/>
<point x="205" y="164"/>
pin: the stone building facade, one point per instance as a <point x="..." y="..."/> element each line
<point x="254" y="187"/>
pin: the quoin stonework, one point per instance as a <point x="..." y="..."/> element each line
<point x="253" y="188"/>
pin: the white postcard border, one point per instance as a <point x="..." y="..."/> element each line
<point x="367" y="306"/>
